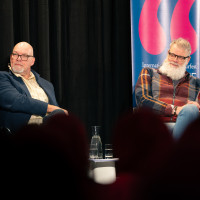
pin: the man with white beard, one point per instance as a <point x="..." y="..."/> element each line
<point x="170" y="90"/>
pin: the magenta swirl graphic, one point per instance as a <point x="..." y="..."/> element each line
<point x="180" y="23"/>
<point x="152" y="35"/>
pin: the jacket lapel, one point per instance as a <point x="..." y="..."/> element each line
<point x="20" y="84"/>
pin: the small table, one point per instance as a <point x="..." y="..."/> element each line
<point x="103" y="170"/>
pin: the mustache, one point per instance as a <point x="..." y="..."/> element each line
<point x="18" y="64"/>
<point x="173" y="63"/>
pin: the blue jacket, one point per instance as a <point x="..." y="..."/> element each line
<point x="16" y="104"/>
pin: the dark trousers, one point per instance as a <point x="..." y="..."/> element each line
<point x="55" y="112"/>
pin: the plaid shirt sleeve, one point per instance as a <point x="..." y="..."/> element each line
<point x="198" y="95"/>
<point x="143" y="94"/>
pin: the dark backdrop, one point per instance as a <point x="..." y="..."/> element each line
<point x="82" y="46"/>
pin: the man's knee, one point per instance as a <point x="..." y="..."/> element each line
<point x="187" y="115"/>
<point x="190" y="109"/>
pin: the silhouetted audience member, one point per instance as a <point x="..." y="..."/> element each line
<point x="74" y="139"/>
<point x="142" y="143"/>
<point x="49" y="160"/>
<point x="180" y="177"/>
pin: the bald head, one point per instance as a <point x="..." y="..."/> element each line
<point x="22" y="59"/>
<point x="25" y="46"/>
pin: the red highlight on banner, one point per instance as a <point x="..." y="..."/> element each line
<point x="152" y="35"/>
<point x="180" y="23"/>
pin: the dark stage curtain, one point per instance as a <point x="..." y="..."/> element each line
<point x="82" y="46"/>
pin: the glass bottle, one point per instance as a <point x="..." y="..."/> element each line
<point x="96" y="141"/>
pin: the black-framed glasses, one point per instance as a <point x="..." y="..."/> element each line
<point x="180" y="58"/>
<point x="23" y="56"/>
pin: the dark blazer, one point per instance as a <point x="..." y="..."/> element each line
<point x="16" y="104"/>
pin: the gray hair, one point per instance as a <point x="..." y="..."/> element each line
<point x="183" y="44"/>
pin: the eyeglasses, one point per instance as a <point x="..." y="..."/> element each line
<point x="23" y="57"/>
<point x="179" y="58"/>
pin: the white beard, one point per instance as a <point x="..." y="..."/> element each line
<point x="17" y="70"/>
<point x="175" y="73"/>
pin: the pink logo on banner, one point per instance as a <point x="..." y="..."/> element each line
<point x="151" y="33"/>
<point x="180" y="23"/>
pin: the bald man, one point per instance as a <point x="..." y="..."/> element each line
<point x="25" y="97"/>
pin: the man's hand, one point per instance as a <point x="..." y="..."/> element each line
<point x="179" y="108"/>
<point x="51" y="108"/>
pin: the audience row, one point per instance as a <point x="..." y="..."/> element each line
<point x="51" y="160"/>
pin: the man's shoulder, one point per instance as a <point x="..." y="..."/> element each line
<point x="5" y="73"/>
<point x="37" y="75"/>
<point x="193" y="77"/>
<point x="40" y="79"/>
<point x="150" y="69"/>
<point x="194" y="80"/>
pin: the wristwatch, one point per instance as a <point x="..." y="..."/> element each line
<point x="175" y="108"/>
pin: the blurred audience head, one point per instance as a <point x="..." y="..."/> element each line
<point x="141" y="141"/>
<point x="179" y="177"/>
<point x="49" y="159"/>
<point x="72" y="134"/>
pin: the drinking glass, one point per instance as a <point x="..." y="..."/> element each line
<point x="108" y="151"/>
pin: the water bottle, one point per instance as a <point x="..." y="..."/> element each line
<point x="96" y="153"/>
